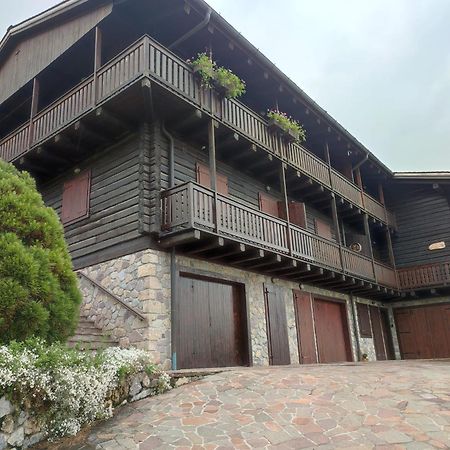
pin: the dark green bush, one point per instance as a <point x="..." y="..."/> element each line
<point x="38" y="289"/>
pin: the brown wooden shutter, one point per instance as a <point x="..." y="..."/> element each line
<point x="323" y="229"/>
<point x="363" y="320"/>
<point x="75" y="199"/>
<point x="268" y="204"/>
<point x="297" y="214"/>
<point x="222" y="184"/>
<point x="204" y="178"/>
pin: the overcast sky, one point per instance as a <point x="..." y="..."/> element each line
<point x="380" y="67"/>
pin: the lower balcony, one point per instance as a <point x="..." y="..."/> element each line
<point x="425" y="276"/>
<point x="200" y="222"/>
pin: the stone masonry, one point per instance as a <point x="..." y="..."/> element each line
<point x="142" y="281"/>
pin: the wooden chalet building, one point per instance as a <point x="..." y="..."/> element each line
<point x="198" y="232"/>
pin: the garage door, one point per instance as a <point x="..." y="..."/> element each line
<point x="424" y="332"/>
<point x="331" y="331"/>
<point x="212" y="326"/>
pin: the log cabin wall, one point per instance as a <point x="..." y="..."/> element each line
<point x="118" y="194"/>
<point x="241" y="186"/>
<point x="34" y="53"/>
<point x="423" y="218"/>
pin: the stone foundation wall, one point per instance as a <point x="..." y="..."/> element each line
<point x="141" y="280"/>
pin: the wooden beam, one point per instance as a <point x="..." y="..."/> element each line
<point x="179" y="239"/>
<point x="89" y="132"/>
<point x="234" y="250"/>
<point x="115" y="121"/>
<point x="215" y="243"/>
<point x="258" y="255"/>
<point x="274" y="260"/>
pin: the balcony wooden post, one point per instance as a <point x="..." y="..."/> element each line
<point x="33" y="111"/>
<point x="333" y="205"/>
<point x="286" y="205"/>
<point x="212" y="167"/>
<point x="381" y="197"/>
<point x="97" y="61"/>
<point x="391" y="254"/>
<point x="359" y="182"/>
<point x="367" y="232"/>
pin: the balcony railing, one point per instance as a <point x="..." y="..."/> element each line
<point x="191" y="206"/>
<point x="429" y="275"/>
<point x="148" y="58"/>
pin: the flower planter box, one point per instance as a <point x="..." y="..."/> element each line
<point x="222" y="90"/>
<point x="287" y="135"/>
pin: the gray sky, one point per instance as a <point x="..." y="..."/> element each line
<point x="380" y="67"/>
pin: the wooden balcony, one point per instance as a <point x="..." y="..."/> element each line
<point x="425" y="276"/>
<point x="189" y="212"/>
<point x="147" y="58"/>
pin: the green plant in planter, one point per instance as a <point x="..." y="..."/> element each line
<point x="224" y="80"/>
<point x="228" y="83"/>
<point x="205" y="67"/>
<point x="290" y="126"/>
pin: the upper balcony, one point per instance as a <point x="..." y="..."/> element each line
<point x="148" y="59"/>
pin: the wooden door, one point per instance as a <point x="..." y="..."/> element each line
<point x="305" y="327"/>
<point x="212" y="324"/>
<point x="424" y="332"/>
<point x="377" y="330"/>
<point x="277" y="334"/>
<point x="387" y="335"/>
<point x="331" y="327"/>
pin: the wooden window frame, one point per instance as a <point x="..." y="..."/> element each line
<point x="73" y="219"/>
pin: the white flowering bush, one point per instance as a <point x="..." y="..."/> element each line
<point x="65" y="388"/>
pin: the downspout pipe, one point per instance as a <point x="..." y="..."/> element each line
<point x="360" y="163"/>
<point x="194" y="30"/>
<point x="173" y="262"/>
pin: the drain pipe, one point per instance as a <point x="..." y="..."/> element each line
<point x="360" y="163"/>
<point x="194" y="30"/>
<point x="173" y="263"/>
<point x="355" y="328"/>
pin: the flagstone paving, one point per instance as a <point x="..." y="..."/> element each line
<point x="387" y="405"/>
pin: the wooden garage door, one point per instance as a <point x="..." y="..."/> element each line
<point x="424" y="332"/>
<point x="277" y="333"/>
<point x="331" y="331"/>
<point x="212" y="324"/>
<point x="305" y="327"/>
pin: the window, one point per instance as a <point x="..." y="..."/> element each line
<point x="363" y="320"/>
<point x="323" y="229"/>
<point x="75" y="198"/>
<point x="204" y="178"/>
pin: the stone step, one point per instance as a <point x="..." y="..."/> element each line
<point x="90" y="337"/>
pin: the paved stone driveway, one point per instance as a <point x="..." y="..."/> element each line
<point x="386" y="405"/>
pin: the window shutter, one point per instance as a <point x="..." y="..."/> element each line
<point x="323" y="229"/>
<point x="75" y="199"/>
<point x="297" y="214"/>
<point x="204" y="178"/>
<point x="222" y="184"/>
<point x="363" y="320"/>
<point x="268" y="204"/>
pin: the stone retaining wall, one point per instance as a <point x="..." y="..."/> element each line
<point x="19" y="429"/>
